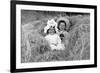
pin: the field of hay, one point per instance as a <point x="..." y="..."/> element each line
<point x="34" y="48"/>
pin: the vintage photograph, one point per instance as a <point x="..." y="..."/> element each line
<point x="49" y="36"/>
<point x="52" y="36"/>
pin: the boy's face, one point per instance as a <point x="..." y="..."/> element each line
<point x="51" y="30"/>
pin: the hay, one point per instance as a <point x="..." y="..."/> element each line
<point x="34" y="47"/>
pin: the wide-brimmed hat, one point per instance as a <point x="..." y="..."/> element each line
<point x="63" y="19"/>
<point x="50" y="23"/>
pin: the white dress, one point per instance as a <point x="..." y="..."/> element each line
<point x="55" y="42"/>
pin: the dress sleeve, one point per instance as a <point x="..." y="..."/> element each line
<point x="67" y="36"/>
<point x="60" y="46"/>
<point x="58" y="39"/>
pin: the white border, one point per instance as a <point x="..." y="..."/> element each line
<point x="20" y="65"/>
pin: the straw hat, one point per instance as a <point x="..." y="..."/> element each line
<point x="63" y="19"/>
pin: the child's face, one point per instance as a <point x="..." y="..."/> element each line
<point x="51" y="30"/>
<point x="62" y="26"/>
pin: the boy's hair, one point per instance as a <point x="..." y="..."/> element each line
<point x="49" y="29"/>
<point x="62" y="21"/>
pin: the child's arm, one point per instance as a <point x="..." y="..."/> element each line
<point x="60" y="45"/>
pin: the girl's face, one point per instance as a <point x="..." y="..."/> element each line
<point x="62" y="26"/>
<point x="51" y="30"/>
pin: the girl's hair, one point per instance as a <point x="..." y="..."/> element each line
<point x="62" y="21"/>
<point x="49" y="29"/>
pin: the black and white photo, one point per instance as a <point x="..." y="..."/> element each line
<point x="53" y="36"/>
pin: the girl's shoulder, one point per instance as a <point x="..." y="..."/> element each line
<point x="56" y="35"/>
<point x="48" y="36"/>
<point x="64" y="32"/>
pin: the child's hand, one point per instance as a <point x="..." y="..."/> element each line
<point x="62" y="37"/>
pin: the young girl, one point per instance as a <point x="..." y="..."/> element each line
<point x="52" y="37"/>
<point x="62" y="30"/>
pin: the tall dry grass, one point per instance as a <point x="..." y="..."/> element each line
<point x="34" y="47"/>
